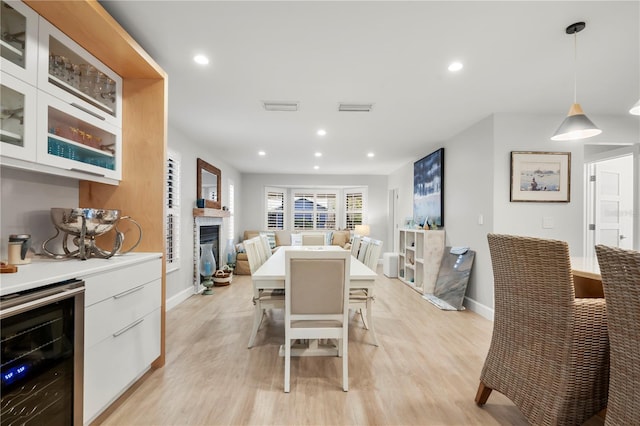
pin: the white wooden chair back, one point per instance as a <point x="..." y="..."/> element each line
<point x="265" y="247"/>
<point x="254" y="253"/>
<point x="316" y="301"/>
<point x="373" y="254"/>
<point x="313" y="239"/>
<point x="355" y="246"/>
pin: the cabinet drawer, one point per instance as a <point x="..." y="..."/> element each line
<point x="107" y="284"/>
<point x="111" y="365"/>
<point x="103" y="319"/>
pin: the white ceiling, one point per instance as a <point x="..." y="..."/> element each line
<point x="517" y="58"/>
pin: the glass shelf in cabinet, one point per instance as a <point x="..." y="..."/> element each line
<point x="71" y="150"/>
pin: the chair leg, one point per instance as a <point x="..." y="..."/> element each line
<point x="483" y="394"/>
<point x="257" y="320"/>
<point x="372" y="331"/>
<point x="287" y="365"/>
<point x="364" y="319"/>
<point x="345" y="364"/>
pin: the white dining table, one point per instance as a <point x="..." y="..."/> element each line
<point x="271" y="275"/>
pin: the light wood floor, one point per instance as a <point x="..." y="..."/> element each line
<point x="425" y="371"/>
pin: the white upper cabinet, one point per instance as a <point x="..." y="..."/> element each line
<point x="19" y="40"/>
<point x="17" y="118"/>
<point x="69" y="72"/>
<point x="61" y="107"/>
<point x="74" y="140"/>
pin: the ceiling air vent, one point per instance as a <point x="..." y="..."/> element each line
<point x="350" y="107"/>
<point x="280" y="106"/>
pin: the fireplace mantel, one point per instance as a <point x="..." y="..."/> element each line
<point x="210" y="213"/>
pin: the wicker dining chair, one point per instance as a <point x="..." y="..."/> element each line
<point x="620" y="270"/>
<point x="549" y="352"/>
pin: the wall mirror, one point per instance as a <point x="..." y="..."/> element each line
<point x="209" y="184"/>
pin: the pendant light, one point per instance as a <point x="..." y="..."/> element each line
<point x="576" y="125"/>
<point x="635" y="110"/>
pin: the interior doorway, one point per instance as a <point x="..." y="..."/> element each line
<point x="610" y="201"/>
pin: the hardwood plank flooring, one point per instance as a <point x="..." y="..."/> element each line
<point x="425" y="371"/>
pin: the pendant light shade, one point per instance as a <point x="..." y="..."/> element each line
<point x="577" y="125"/>
<point x="635" y="110"/>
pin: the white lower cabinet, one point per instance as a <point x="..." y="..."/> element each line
<point x="122" y="331"/>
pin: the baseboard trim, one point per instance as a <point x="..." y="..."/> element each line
<point x="480" y="309"/>
<point x="180" y="297"/>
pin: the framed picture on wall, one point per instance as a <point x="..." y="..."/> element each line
<point x="428" y="189"/>
<point x="541" y="176"/>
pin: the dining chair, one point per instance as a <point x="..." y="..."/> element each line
<point x="549" y="352"/>
<point x="355" y="246"/>
<point x="313" y="239"/>
<point x="255" y="256"/>
<point x="316" y="302"/>
<point x="262" y="299"/>
<point x="362" y="252"/>
<point x="265" y="247"/>
<point x="620" y="270"/>
<point x="360" y="299"/>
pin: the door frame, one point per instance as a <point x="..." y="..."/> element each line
<point x="589" y="199"/>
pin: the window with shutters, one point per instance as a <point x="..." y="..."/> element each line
<point x="275" y="207"/>
<point x="314" y="209"/>
<point x="354" y="208"/>
<point x="172" y="197"/>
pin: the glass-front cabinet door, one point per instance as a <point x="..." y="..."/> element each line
<point x="75" y="140"/>
<point x="18" y="40"/>
<point x="69" y="72"/>
<point x="17" y="118"/>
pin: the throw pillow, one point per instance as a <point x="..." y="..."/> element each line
<point x="328" y="236"/>
<point x="296" y="239"/>
<point x="341" y="238"/>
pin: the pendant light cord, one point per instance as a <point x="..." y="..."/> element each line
<point x="575" y="67"/>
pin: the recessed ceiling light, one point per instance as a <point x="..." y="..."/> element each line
<point x="262" y="153"/>
<point x="455" y="66"/>
<point x="201" y="59"/>
<point x="316" y="167"/>
<point x="371" y="155"/>
<point x="321" y="132"/>
<point x="318" y="154"/>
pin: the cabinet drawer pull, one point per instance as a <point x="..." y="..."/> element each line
<point x="127" y="328"/>
<point x="126" y="293"/>
<point x="81" y="108"/>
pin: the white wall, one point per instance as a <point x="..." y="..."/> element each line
<point x="477" y="182"/>
<point x="252" y="197"/>
<point x="27" y="198"/>
<point x="468" y="194"/>
<point x="180" y="282"/>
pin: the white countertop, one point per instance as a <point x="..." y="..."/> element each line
<point x="43" y="270"/>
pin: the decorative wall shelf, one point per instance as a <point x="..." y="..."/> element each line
<point x="210" y="213"/>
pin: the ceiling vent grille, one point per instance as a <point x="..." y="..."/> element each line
<point x="351" y="107"/>
<point x="280" y="106"/>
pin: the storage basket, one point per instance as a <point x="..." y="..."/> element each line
<point x="222" y="278"/>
